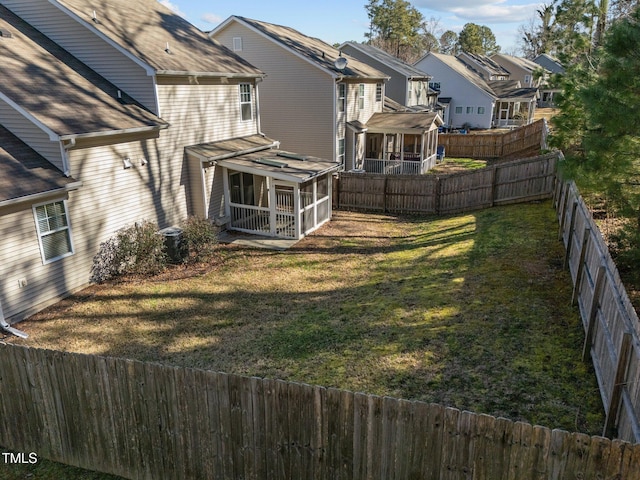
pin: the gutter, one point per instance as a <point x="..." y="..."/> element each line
<point x="73" y="136"/>
<point x="37" y="196"/>
<point x="182" y="73"/>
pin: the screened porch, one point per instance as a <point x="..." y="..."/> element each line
<point x="401" y="143"/>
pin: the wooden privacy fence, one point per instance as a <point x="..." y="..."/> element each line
<point x="520" y="142"/>
<point x="611" y="325"/>
<point x="149" y="421"/>
<point x="503" y="183"/>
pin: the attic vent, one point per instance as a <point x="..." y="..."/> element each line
<point x="271" y="163"/>
<point x="5" y="34"/>
<point x="292" y="156"/>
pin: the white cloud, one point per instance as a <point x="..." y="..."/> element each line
<point x="487" y="11"/>
<point x="211" y="18"/>
<point x="173" y="7"/>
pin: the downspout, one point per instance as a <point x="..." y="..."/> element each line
<point x="258" y="123"/>
<point x="335" y="116"/>
<point x="8" y="328"/>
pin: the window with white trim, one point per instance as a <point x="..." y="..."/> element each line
<point x="342" y="96"/>
<point x="469" y="110"/>
<point x="246" y="103"/>
<point x="361" y="96"/>
<point x="54" y="230"/>
<point x="458" y="110"/>
<point x="237" y="44"/>
<point x="378" y="92"/>
<point x="341" y="150"/>
<point x="480" y="110"/>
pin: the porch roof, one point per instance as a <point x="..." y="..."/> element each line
<point x="260" y="156"/>
<point x="511" y="91"/>
<point x="403" y="122"/>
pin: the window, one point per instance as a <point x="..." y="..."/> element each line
<point x="54" y="232"/>
<point x="458" y="110"/>
<point x="341" y="150"/>
<point x="342" y="96"/>
<point x="378" y="92"/>
<point x="469" y="110"/>
<point x="480" y="110"/>
<point x="434" y="86"/>
<point x="237" y="44"/>
<point x="241" y="187"/>
<point x="246" y="108"/>
<point x="361" y="96"/>
<point x="527" y="80"/>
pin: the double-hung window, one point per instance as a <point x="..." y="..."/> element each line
<point x="341" y="151"/>
<point x="246" y="104"/>
<point x="378" y="92"/>
<point x="54" y="231"/>
<point x="361" y="96"/>
<point x="342" y="96"/>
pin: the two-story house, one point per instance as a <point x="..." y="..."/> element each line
<point x="100" y="103"/>
<point x="327" y="103"/>
<point x="476" y="102"/>
<point x="406" y="85"/>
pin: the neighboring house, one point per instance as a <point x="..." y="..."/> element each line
<point x="109" y="94"/>
<point x="529" y="73"/>
<point x="554" y="67"/>
<point x="407" y="85"/>
<point x="484" y="66"/>
<point x="475" y="102"/>
<point x="315" y="98"/>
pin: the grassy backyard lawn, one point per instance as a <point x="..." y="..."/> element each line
<point x="470" y="311"/>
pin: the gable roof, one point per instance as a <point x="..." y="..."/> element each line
<point x="144" y="29"/>
<point x="523" y="63"/>
<point x="312" y="49"/>
<point x="484" y="62"/>
<point x="57" y="91"/>
<point x="403" y="122"/>
<point x="390" y="61"/>
<point x="550" y="63"/>
<point x="462" y="69"/>
<point x="24" y="173"/>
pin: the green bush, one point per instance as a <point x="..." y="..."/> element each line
<point x="200" y="237"/>
<point x="137" y="249"/>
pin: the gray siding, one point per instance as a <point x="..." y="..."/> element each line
<point x="296" y="98"/>
<point x="88" y="47"/>
<point x="31" y="134"/>
<point x="113" y="197"/>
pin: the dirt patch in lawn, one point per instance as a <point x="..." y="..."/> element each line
<point x="470" y="311"/>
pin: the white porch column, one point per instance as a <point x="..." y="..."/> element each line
<point x="273" y="205"/>
<point x="296" y="211"/>
<point x="227" y="193"/>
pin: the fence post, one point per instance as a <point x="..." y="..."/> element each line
<point x="618" y="385"/>
<point x="583" y="252"/>
<point x="572" y="224"/>
<point x="384" y="194"/>
<point x="563" y="211"/>
<point x="436" y="201"/>
<point x="494" y="179"/>
<point x="593" y="310"/>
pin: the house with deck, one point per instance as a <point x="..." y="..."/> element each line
<point x="321" y="101"/>
<point x="100" y="103"/>
<point x="476" y="102"/>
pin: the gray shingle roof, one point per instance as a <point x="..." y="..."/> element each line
<point x="58" y="90"/>
<point x="459" y="67"/>
<point x="23" y="172"/>
<point x="523" y="63"/>
<point x="144" y="27"/>
<point x="387" y="59"/>
<point x="314" y="49"/>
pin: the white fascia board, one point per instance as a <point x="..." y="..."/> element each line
<point x="53" y="136"/>
<point x="148" y="68"/>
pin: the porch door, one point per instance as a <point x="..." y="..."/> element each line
<point x="285" y="225"/>
<point x="504" y="113"/>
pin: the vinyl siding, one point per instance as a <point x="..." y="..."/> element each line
<point x="112" y="197"/>
<point x="88" y="47"/>
<point x="31" y="134"/>
<point x="463" y="94"/>
<point x="296" y="98"/>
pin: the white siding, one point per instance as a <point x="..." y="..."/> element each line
<point x="87" y="47"/>
<point x="30" y="134"/>
<point x="296" y="98"/>
<point x="463" y="94"/>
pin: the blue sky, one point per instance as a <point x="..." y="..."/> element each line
<point x="336" y="21"/>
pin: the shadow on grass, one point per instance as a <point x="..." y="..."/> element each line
<point x="470" y="311"/>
